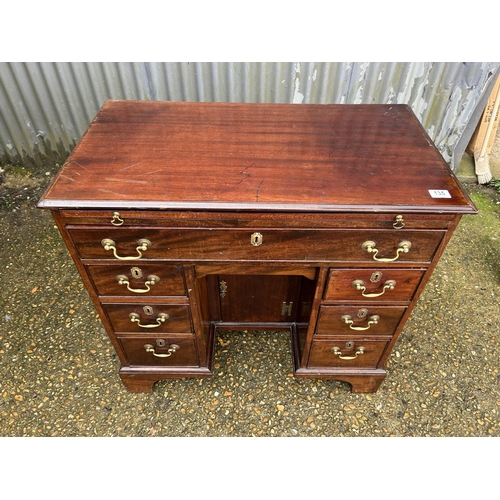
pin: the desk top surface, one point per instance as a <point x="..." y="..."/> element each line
<point x="256" y="157"/>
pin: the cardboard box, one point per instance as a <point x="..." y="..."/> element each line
<point x="478" y="137"/>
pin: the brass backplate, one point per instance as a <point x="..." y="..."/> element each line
<point x="148" y="310"/>
<point x="136" y="272"/>
<point x="362" y="313"/>
<point x="256" y="239"/>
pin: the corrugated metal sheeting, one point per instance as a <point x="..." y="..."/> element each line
<point x="46" y="107"/>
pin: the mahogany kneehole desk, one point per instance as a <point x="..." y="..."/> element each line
<point x="185" y="218"/>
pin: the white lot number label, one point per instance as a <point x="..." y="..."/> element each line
<point x="439" y="193"/>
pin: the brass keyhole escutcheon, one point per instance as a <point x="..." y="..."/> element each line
<point x="136" y="272"/>
<point x="362" y="313"/>
<point x="148" y="310"/>
<point x="256" y="239"/>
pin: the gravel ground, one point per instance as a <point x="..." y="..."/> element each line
<point x="59" y="373"/>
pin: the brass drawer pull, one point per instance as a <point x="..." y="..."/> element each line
<point x="338" y="352"/>
<point x="109" y="244"/>
<point x="360" y="285"/>
<point x="372" y="320"/>
<point x="117" y="220"/>
<point x="151" y="280"/>
<point x="399" y="222"/>
<point x="135" y="318"/>
<point x="369" y="246"/>
<point x="171" y="350"/>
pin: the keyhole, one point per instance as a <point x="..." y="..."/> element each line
<point x="148" y="310"/>
<point x="136" y="272"/>
<point x="362" y="313"/>
<point x="256" y="239"/>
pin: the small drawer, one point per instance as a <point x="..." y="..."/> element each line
<point x="113" y="218"/>
<point x="151" y="318"/>
<point x="346" y="353"/>
<point x="358" y="320"/>
<point x="372" y="284"/>
<point x="314" y="245"/>
<point x="129" y="218"/>
<point x="138" y="280"/>
<point x="159" y="351"/>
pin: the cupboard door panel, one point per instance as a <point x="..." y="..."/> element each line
<point x="258" y="298"/>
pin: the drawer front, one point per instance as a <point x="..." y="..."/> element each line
<point x="153" y="318"/>
<point x="346" y="353"/>
<point x="257" y="244"/>
<point x="138" y="280"/>
<point x="159" y="351"/>
<point x="358" y="320"/>
<point x="372" y="284"/>
<point x="126" y="218"/>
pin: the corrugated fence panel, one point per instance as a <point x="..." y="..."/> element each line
<point x="46" y="107"/>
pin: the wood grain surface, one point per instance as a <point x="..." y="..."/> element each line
<point x="184" y="155"/>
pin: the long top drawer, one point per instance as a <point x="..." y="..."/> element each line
<point x="256" y="244"/>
